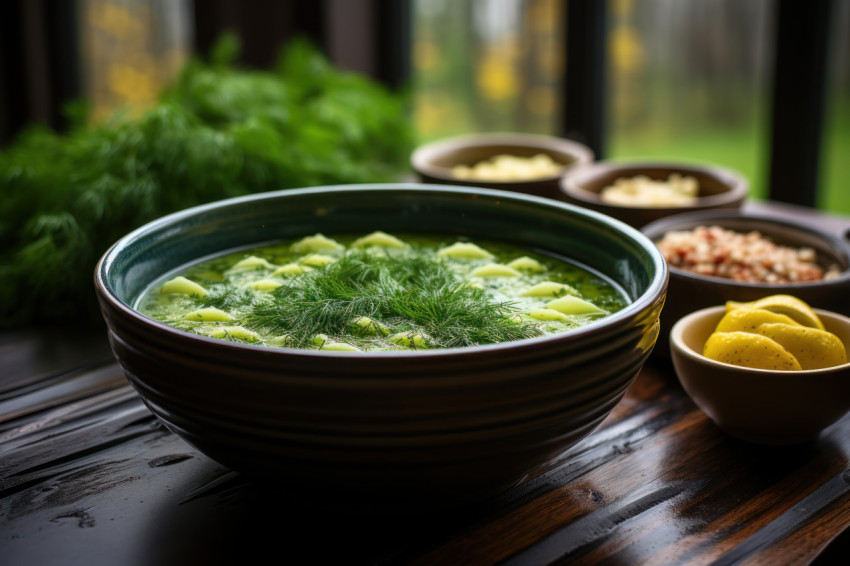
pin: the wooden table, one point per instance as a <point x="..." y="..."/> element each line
<point x="89" y="476"/>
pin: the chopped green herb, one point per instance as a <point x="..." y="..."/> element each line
<point x="218" y="132"/>
<point x="408" y="291"/>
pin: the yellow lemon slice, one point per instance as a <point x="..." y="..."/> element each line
<point x="747" y="320"/>
<point x="813" y="348"/>
<point x="749" y="350"/>
<point x="788" y="305"/>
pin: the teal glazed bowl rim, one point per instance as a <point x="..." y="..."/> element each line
<point x="133" y="262"/>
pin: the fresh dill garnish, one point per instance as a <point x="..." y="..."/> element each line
<point x="228" y="297"/>
<point x="405" y="291"/>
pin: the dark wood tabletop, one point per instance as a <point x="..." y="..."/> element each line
<point x="89" y="476"/>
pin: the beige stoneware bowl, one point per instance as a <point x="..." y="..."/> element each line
<point x="434" y="162"/>
<point x="760" y="406"/>
<point x="719" y="188"/>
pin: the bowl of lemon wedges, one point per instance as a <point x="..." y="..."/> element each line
<point x="770" y="371"/>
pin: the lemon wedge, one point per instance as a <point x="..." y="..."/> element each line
<point x="813" y="348"/>
<point x="775" y="332"/>
<point x="749" y="350"/>
<point x="788" y="305"/>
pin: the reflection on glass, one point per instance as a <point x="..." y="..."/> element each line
<point x="691" y="81"/>
<point x="486" y="65"/>
<point x="835" y="161"/>
<point x="131" y="49"/>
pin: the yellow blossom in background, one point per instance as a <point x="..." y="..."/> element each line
<point x="115" y="19"/>
<point x="129" y="60"/>
<point x="497" y="76"/>
<point x="626" y="49"/>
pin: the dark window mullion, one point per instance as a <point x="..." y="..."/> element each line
<point x="799" y="90"/>
<point x="393" y="25"/>
<point x="585" y="66"/>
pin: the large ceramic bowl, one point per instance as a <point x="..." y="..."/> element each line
<point x="719" y="188"/>
<point x="689" y="291"/>
<point x="759" y="405"/>
<point x="434" y="162"/>
<point x="384" y="430"/>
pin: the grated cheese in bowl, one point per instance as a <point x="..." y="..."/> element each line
<point x="641" y="190"/>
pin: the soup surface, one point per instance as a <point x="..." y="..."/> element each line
<point x="381" y="292"/>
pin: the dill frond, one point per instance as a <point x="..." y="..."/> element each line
<point x="408" y="291"/>
<point x="220" y="131"/>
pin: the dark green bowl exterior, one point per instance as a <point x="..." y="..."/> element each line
<point x="386" y="429"/>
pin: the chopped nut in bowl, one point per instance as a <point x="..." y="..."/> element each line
<point x="676" y="190"/>
<point x="749" y="257"/>
<point x="715" y="256"/>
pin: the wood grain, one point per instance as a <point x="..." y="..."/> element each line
<point x="88" y="474"/>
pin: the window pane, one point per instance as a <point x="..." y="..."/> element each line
<point x="835" y="156"/>
<point x="486" y="65"/>
<point x="130" y="50"/>
<point x="690" y="81"/>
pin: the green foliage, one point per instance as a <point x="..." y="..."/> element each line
<point x="405" y="292"/>
<point x="219" y="132"/>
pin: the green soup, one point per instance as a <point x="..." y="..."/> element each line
<point x="381" y="292"/>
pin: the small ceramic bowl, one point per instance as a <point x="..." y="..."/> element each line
<point x="689" y="291"/>
<point x="756" y="405"/>
<point x="433" y="162"/>
<point x="718" y="188"/>
<point x="397" y="431"/>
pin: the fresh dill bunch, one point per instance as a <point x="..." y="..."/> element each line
<point x="218" y="132"/>
<point x="405" y="291"/>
